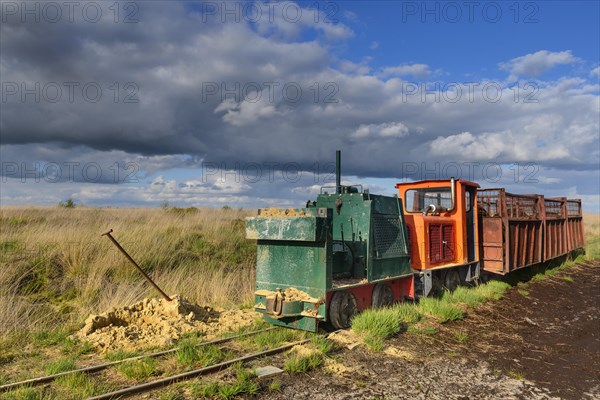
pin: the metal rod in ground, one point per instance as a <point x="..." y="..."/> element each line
<point x="112" y="239"/>
<point x="100" y="367"/>
<point x="144" y="387"/>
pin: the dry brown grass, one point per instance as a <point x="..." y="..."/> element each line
<point x="55" y="268"/>
<point x="591" y="224"/>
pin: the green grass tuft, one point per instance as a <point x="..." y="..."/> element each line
<point x="244" y="383"/>
<point x="171" y="394"/>
<point x="516" y="375"/>
<point x="273" y="338"/>
<point x="120" y="355"/>
<point x="492" y="290"/>
<point x="407" y="313"/>
<point x="302" y="363"/>
<point x="139" y="369"/>
<point x="592" y="247"/>
<point x="439" y="309"/>
<point x="26" y="393"/>
<point x="74" y="347"/>
<point x="323" y="344"/>
<point x="49" y="337"/>
<point x="80" y="386"/>
<point x="376" y="325"/>
<point x="189" y="353"/>
<point x="568" y="278"/>
<point x="539" y="278"/>
<point x="464" y="295"/>
<point x="59" y="366"/>
<point x="275" y="386"/>
<point x="461" y="337"/>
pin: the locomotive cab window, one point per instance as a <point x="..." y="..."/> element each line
<point x="417" y="200"/>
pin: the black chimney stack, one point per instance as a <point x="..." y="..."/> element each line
<point x="338" y="173"/>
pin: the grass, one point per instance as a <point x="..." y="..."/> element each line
<point x="139" y="369"/>
<point x="440" y="309"/>
<point x="300" y="363"/>
<point x="243" y="382"/>
<point x="171" y="394"/>
<point x="323" y="345"/>
<point x="49" y="337"/>
<point x="424" y="330"/>
<point x="274" y="386"/>
<point x="56" y="269"/>
<point x="61" y="365"/>
<point x="461" y="337"/>
<point x="120" y="355"/>
<point x="516" y="375"/>
<point x="79" y="386"/>
<point x="26" y="394"/>
<point x="189" y="353"/>
<point x="376" y="325"/>
<point x="272" y="338"/>
<point x="74" y="347"/>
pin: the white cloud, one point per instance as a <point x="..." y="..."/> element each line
<point x="374" y="45"/>
<point x="595" y="72"/>
<point x="535" y="64"/>
<point x="384" y="130"/>
<point x="247" y="112"/>
<point x="415" y="70"/>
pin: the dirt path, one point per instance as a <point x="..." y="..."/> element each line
<point x="538" y="342"/>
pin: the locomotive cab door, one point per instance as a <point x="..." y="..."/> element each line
<point x="470" y="221"/>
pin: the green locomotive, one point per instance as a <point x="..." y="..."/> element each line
<point x="344" y="252"/>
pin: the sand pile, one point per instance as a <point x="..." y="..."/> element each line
<point x="157" y="322"/>
<point x="293" y="294"/>
<point x="281" y="212"/>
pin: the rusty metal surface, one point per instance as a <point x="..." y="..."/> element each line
<point x="521" y="230"/>
<point x="512" y="225"/>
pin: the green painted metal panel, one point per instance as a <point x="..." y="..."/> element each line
<point x="306" y="228"/>
<point x="302" y="265"/>
<point x="293" y="252"/>
<point x="374" y="229"/>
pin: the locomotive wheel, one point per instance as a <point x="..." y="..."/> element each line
<point x="452" y="280"/>
<point x="342" y="308"/>
<point x="383" y="295"/>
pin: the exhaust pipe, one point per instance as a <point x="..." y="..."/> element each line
<point x="338" y="174"/>
<point x="432" y="208"/>
<point x="452" y="193"/>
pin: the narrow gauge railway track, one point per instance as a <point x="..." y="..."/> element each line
<point x="145" y="387"/>
<point x="100" y="367"/>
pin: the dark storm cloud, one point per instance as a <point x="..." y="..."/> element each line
<point x="163" y="81"/>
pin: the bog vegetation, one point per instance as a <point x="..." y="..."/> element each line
<point x="56" y="269"/>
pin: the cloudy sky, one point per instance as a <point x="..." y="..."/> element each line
<point x="244" y="104"/>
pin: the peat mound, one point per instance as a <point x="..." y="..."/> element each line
<point x="158" y="322"/>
